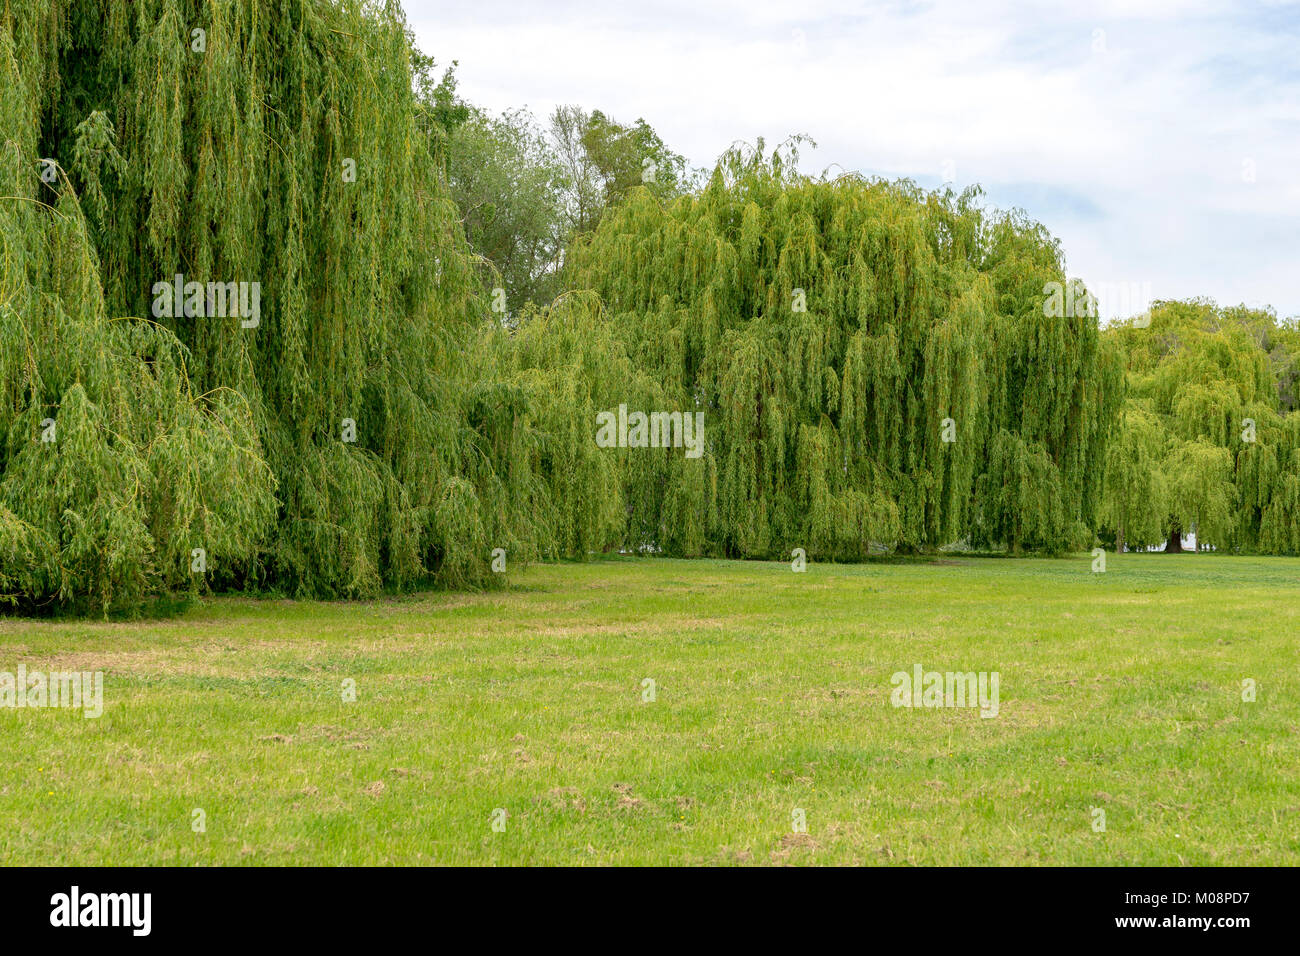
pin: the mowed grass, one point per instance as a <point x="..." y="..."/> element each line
<point x="1120" y="691"/>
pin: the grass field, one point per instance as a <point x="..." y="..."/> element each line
<point x="1120" y="691"/>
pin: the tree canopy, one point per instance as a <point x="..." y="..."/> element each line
<point x="338" y="441"/>
<point x="251" y="254"/>
<point x="526" y="192"/>
<point x="1209" y="440"/>
<point x="872" y="361"/>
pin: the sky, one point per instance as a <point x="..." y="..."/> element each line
<point x="1159" y="140"/>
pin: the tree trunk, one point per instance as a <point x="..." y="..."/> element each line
<point x="1119" y="541"/>
<point x="1175" y="545"/>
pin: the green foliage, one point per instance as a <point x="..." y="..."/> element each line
<point x="566" y="365"/>
<point x="226" y="157"/>
<point x="877" y="366"/>
<point x="112" y="467"/>
<point x="627" y="157"/>
<point x="1210" y="439"/>
<point x="509" y="187"/>
<point x="872" y="362"/>
<point x="1135" y="500"/>
<point x="442" y="109"/>
<point x="525" y="193"/>
<point x="603" y="162"/>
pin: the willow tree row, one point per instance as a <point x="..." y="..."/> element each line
<point x="873" y="363"/>
<point x="331" y="433"/>
<point x="1209" y="440"/>
<point x="245" y="343"/>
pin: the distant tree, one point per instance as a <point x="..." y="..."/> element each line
<point x="437" y="98"/>
<point x="604" y="161"/>
<point x="1209" y="441"/>
<point x="525" y="193"/>
<point x="626" y="157"/>
<point x="508" y="185"/>
<point x="584" y="199"/>
<point x="1136" y="501"/>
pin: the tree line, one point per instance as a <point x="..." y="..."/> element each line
<point x="449" y="299"/>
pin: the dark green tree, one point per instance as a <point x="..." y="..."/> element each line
<point x="1210" y="439"/>
<point x="875" y="365"/>
<point x="279" y="144"/>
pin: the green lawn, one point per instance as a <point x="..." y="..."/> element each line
<point x="1120" y="691"/>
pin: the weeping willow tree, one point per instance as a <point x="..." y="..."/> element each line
<point x="1055" y="390"/>
<point x="1209" y="441"/>
<point x="568" y="366"/>
<point x="114" y="465"/>
<point x="874" y="365"/>
<point x="269" y="153"/>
